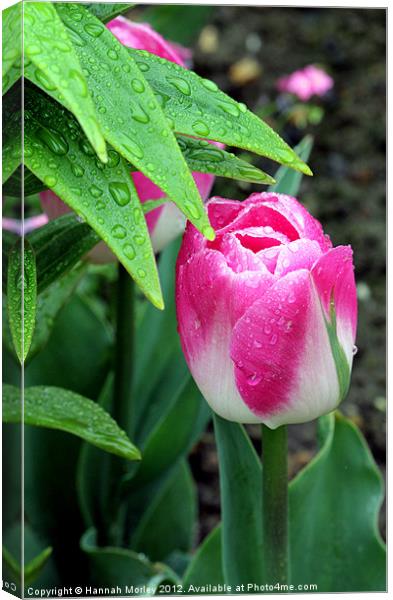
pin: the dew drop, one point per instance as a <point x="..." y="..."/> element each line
<point x="77" y="170"/>
<point x="50" y="181"/>
<point x="254" y="379"/>
<point x="95" y="191"/>
<point x="354" y="350"/>
<point x="44" y="80"/>
<point x="112" y="54"/>
<point x="138" y="86"/>
<point x="139" y="239"/>
<point x="273" y="340"/>
<point x="113" y="158"/>
<point x="180" y="84"/>
<point x="210" y="85"/>
<point x="119" y="232"/>
<point x="129" y="251"/>
<point x="120" y="193"/>
<point x="133" y="148"/>
<point x="53" y="140"/>
<point x="230" y="109"/>
<point x="200" y="128"/>
<point x="141" y="273"/>
<point x="94" y="29"/>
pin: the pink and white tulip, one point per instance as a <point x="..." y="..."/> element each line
<point x="266" y="312"/>
<point x="165" y="222"/>
<point x="305" y="83"/>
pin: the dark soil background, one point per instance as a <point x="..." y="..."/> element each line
<point x="244" y="50"/>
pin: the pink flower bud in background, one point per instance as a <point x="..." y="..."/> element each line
<point x="266" y="312"/>
<point x="305" y="83"/>
<point x="164" y="222"/>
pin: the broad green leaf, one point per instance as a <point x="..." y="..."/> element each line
<point x="22" y="281"/>
<point x="207" y="158"/>
<point x="9" y="239"/>
<point x="168" y="523"/>
<point x="206" y="564"/>
<point x="31" y="183"/>
<point x="241" y="504"/>
<point x="12" y="134"/>
<point x="58" y="246"/>
<point x="112" y="566"/>
<point x="106" y="12"/>
<point x="49" y="303"/>
<point x="57" y="152"/>
<point x="11" y="45"/>
<point x="129" y="114"/>
<point x="195" y="106"/>
<point x="53" y="63"/>
<point x="334" y="504"/>
<point x="287" y="180"/>
<point x="56" y="408"/>
<point x="174" y="434"/>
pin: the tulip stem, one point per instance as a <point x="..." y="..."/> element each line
<point x="275" y="504"/>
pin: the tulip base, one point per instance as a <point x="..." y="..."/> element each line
<point x="275" y="504"/>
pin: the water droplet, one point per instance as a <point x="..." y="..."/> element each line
<point x="229" y="108"/>
<point x="267" y="329"/>
<point x="210" y="85"/>
<point x="77" y="170"/>
<point x="200" y="128"/>
<point x="44" y="80"/>
<point x="129" y="251"/>
<point x="141" y="273"/>
<point x="138" y="86"/>
<point x="86" y="147"/>
<point x="119" y="232"/>
<point x="253" y="379"/>
<point x="180" y="84"/>
<point x="354" y="350"/>
<point x="77" y="78"/>
<point x="95" y="191"/>
<point x="273" y="340"/>
<point x="113" y="158"/>
<point x="192" y="209"/>
<point x="242" y="107"/>
<point x="257" y="344"/>
<point x="62" y="46"/>
<point x="139" y="114"/>
<point x="33" y="49"/>
<point x="94" y="29"/>
<point x="120" y="193"/>
<point x="50" y="181"/>
<point x="53" y="140"/>
<point x="112" y="54"/>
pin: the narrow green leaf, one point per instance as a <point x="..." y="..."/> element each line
<point x="103" y="195"/>
<point x="9" y="239"/>
<point x="106" y="12"/>
<point x="207" y="158"/>
<point x="168" y="523"/>
<point x="53" y="64"/>
<point x="58" y="246"/>
<point x="12" y="134"/>
<point x="36" y="565"/>
<point x="206" y="564"/>
<point x="11" y="45"/>
<point x="56" y="408"/>
<point x="241" y="504"/>
<point x="22" y="280"/>
<point x="343" y="488"/>
<point x="129" y="114"/>
<point x="195" y="106"/>
<point x="31" y="184"/>
<point x="287" y="180"/>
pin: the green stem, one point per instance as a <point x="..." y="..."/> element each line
<point x="275" y="504"/>
<point x="124" y="350"/>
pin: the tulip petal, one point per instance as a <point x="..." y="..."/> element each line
<point x="284" y="367"/>
<point x="210" y="299"/>
<point x="300" y="254"/>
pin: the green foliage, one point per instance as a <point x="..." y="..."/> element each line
<point x="32" y="569"/>
<point x="22" y="283"/>
<point x="106" y="12"/>
<point x="11" y="45"/>
<point x="53" y="63"/>
<point x="206" y="564"/>
<point x="343" y="492"/>
<point x="56" y="408"/>
<point x="288" y="181"/>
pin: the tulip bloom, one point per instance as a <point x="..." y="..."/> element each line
<point x="266" y="312"/>
<point x="305" y="83"/>
<point x="166" y="221"/>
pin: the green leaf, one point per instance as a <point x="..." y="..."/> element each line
<point x="206" y="564"/>
<point x="168" y="523"/>
<point x="22" y="277"/>
<point x="287" y="180"/>
<point x="53" y="63"/>
<point x="9" y="239"/>
<point x="241" y="504"/>
<point x="58" y="246"/>
<point x="56" y="408"/>
<point x="49" y="303"/>
<point x="103" y="195"/>
<point x="32" y="569"/>
<point x="335" y="541"/>
<point x="106" y="12"/>
<point x="31" y="184"/>
<point x="207" y="158"/>
<point x="110" y="566"/>
<point x="11" y="45"/>
<point x="129" y="114"/>
<point x="195" y="106"/>
<point x="12" y="134"/>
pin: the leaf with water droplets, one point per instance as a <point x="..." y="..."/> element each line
<point x="104" y="198"/>
<point x="56" y="408"/>
<point x="287" y="180"/>
<point x="106" y="12"/>
<point x="59" y="245"/>
<point x="11" y="45"/>
<point x="206" y="111"/>
<point x="22" y="288"/>
<point x="207" y="158"/>
<point x="133" y="122"/>
<point x="12" y="135"/>
<point x="54" y="66"/>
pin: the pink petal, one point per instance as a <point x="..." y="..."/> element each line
<point x="300" y="254"/>
<point x="284" y="366"/>
<point x="333" y="276"/>
<point x="222" y="211"/>
<point x="238" y="257"/>
<point x="143" y="37"/>
<point x="210" y="299"/>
